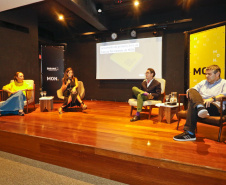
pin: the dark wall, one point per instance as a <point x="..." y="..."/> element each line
<point x="19" y="51"/>
<point x="81" y="56"/>
<point x="19" y="48"/>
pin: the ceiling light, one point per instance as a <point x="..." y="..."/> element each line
<point x="99" y="8"/>
<point x="155" y="33"/>
<point x="89" y="33"/>
<point x="136" y="3"/>
<point x="61" y="17"/>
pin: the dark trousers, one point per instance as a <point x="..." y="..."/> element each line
<point x="192" y="113"/>
<point x="74" y="101"/>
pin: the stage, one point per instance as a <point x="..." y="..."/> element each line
<point x="102" y="141"/>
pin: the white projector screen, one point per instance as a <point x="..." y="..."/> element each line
<point x="128" y="59"/>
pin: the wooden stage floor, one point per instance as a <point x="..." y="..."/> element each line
<point x="102" y="141"/>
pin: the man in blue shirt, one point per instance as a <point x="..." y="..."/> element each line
<point x="203" y="101"/>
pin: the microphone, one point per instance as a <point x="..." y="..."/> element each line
<point x="69" y="80"/>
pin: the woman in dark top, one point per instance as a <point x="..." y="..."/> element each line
<point x="70" y="90"/>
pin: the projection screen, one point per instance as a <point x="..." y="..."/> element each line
<point x="128" y="59"/>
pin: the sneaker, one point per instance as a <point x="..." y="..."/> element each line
<point x="185" y="136"/>
<point x="21" y="113"/>
<point x="202" y="112"/>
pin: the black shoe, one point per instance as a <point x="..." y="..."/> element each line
<point x="202" y="112"/>
<point x="21" y="113"/>
<point x="135" y="118"/>
<point x="185" y="136"/>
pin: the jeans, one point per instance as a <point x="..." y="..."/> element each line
<point x="192" y="112"/>
<point x="14" y="103"/>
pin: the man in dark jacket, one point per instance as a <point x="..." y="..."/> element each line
<point x="150" y="89"/>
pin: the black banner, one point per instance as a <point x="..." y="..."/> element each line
<point x="52" y="69"/>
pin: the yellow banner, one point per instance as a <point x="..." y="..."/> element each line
<point x="206" y="48"/>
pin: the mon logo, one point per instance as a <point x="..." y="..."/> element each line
<point x="52" y="78"/>
<point x="199" y="71"/>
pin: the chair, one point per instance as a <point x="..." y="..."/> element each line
<point x="149" y="104"/>
<point x="81" y="91"/>
<point x="29" y="100"/>
<point x="218" y="121"/>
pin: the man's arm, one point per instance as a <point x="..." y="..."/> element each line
<point x="197" y="87"/>
<point x="216" y="98"/>
<point x="157" y="92"/>
<point x="213" y="99"/>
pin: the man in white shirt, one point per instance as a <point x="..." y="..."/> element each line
<point x="203" y="101"/>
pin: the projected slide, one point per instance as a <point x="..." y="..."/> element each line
<point x="206" y="48"/>
<point x="129" y="59"/>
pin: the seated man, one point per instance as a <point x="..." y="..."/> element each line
<point x="150" y="89"/>
<point x="203" y="101"/>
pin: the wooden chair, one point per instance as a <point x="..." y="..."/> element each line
<point x="81" y="91"/>
<point x="218" y="121"/>
<point x="149" y="104"/>
<point x="30" y="100"/>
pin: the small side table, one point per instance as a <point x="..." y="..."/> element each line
<point x="168" y="111"/>
<point x="46" y="103"/>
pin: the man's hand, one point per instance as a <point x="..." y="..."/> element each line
<point x="150" y="97"/>
<point x="208" y="102"/>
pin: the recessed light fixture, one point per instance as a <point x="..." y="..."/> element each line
<point x="99" y="8"/>
<point x="136" y="3"/>
<point x="89" y="33"/>
<point x="61" y="17"/>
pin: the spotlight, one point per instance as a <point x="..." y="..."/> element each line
<point x="61" y="17"/>
<point x="99" y="8"/>
<point x="155" y="33"/>
<point x="136" y="3"/>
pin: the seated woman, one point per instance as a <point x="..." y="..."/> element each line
<point x="70" y="91"/>
<point x="17" y="95"/>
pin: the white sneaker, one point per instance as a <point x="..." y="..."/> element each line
<point x="203" y="113"/>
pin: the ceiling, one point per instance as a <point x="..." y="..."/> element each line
<point x="81" y="16"/>
<point x="7" y="5"/>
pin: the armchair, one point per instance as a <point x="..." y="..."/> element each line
<point x="219" y="121"/>
<point x="149" y="103"/>
<point x="29" y="100"/>
<point x="81" y="91"/>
